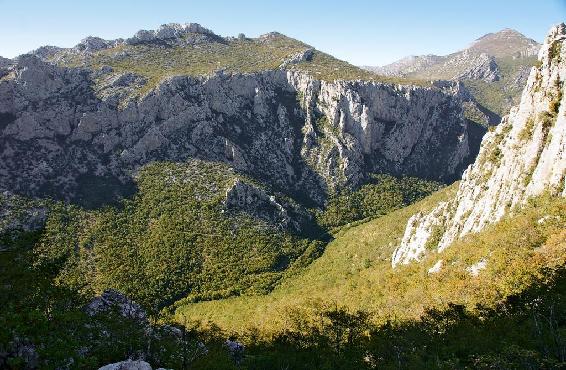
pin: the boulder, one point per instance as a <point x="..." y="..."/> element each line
<point x="127" y="365"/>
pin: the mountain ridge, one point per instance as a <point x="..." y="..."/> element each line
<point x="520" y="46"/>
<point x="122" y="107"/>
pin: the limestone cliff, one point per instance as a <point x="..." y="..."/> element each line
<point x="525" y="156"/>
<point x="75" y="132"/>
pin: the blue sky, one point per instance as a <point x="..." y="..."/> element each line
<point x="359" y="31"/>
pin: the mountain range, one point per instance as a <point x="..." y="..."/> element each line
<point x="494" y="69"/>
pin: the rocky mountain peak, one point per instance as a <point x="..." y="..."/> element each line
<point x="507" y="42"/>
<point x="93" y="44"/>
<point x="171" y="34"/>
<point x="524" y="157"/>
<point x="168" y="32"/>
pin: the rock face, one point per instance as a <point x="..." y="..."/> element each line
<point x="112" y="300"/>
<point x="304" y="56"/>
<point x="172" y="33"/>
<point x="483" y="67"/>
<point x="523" y="157"/>
<point x="255" y="201"/>
<point x="70" y="133"/>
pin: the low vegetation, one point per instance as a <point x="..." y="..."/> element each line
<point x="172" y="239"/>
<point x="44" y="323"/>
<point x="155" y="62"/>
<point x="380" y="196"/>
<point x="346" y="309"/>
<point x="499" y="96"/>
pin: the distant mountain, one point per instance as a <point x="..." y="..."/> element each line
<point x="506" y="43"/>
<point x="407" y="65"/>
<point x="494" y="69"/>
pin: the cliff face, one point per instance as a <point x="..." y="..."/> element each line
<point x="71" y="133"/>
<point x="525" y="156"/>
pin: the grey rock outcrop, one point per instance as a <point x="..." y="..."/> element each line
<point x="113" y="301"/>
<point x="481" y="67"/>
<point x="524" y="157"/>
<point x="257" y="202"/>
<point x="303" y="56"/>
<point x="92" y="44"/>
<point x="127" y="365"/>
<point x="71" y="133"/>
<point x="172" y="32"/>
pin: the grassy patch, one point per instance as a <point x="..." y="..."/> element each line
<point x="554" y="51"/>
<point x="527" y="132"/>
<point x="499" y="96"/>
<point x="156" y="63"/>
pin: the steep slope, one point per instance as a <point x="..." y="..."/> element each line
<point x="190" y="230"/>
<point x="523" y="157"/>
<point x="78" y="123"/>
<point x="355" y="272"/>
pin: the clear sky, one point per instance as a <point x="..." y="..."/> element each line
<point x="359" y="31"/>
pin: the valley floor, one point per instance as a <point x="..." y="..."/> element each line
<point x="355" y="271"/>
